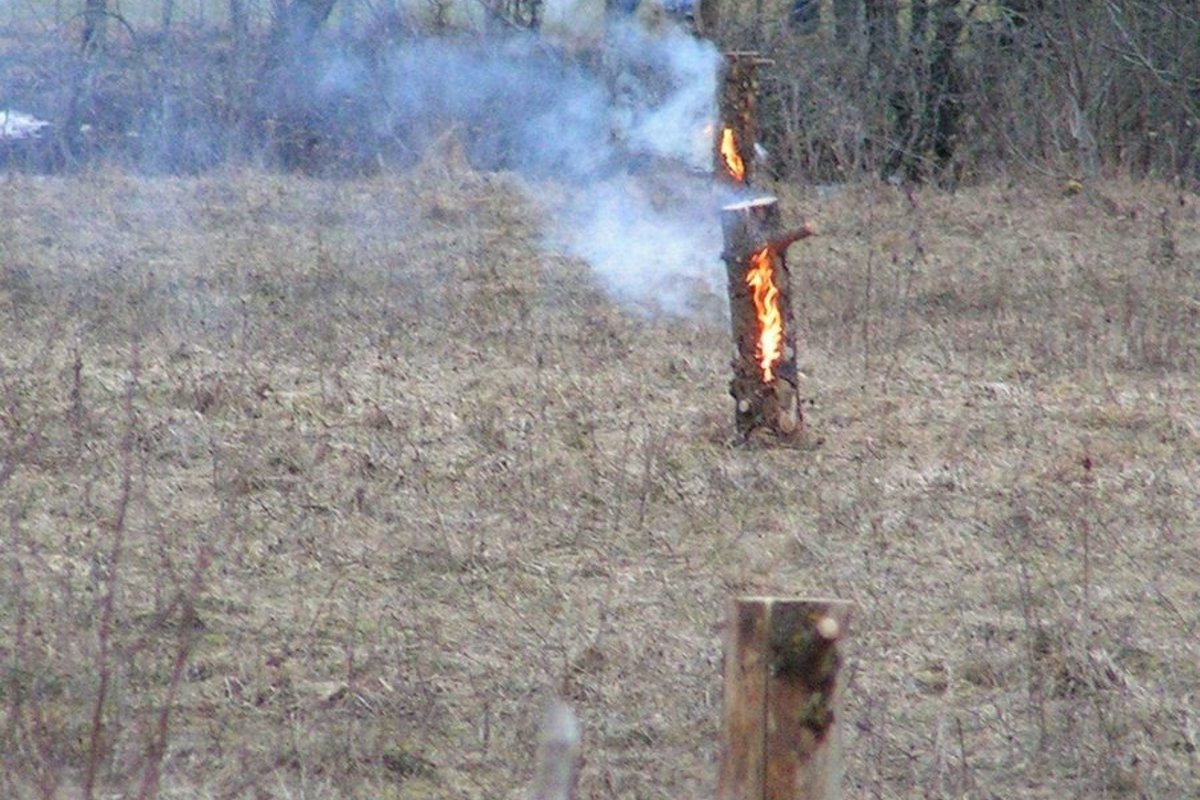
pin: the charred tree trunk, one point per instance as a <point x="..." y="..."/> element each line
<point x="945" y="87"/>
<point x="299" y="22"/>
<point x="882" y="36"/>
<point x="286" y="114"/>
<point x="737" y="131"/>
<point x="805" y="17"/>
<point x="906" y="102"/>
<point x="845" y="21"/>
<point x="882" y="75"/>
<point x="928" y="109"/>
<point x="94" y="14"/>
<point x="70" y="141"/>
<point x="919" y="27"/>
<point x="764" y="385"/>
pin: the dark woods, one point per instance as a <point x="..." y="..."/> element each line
<point x="942" y="90"/>
<point x="946" y="90"/>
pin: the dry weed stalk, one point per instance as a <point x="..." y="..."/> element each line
<point x="540" y="470"/>
<point x="97" y="747"/>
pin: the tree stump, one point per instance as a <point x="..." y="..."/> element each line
<point x="764" y="384"/>
<point x="781" y="735"/>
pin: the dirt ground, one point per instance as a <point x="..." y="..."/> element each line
<point x="323" y="489"/>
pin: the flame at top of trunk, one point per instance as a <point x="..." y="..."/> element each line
<point x="729" y="154"/>
<point x="761" y="280"/>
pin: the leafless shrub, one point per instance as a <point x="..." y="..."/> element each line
<point x="429" y="473"/>
<point x="947" y="90"/>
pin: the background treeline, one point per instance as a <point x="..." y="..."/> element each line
<point x="916" y="89"/>
<point x="941" y="88"/>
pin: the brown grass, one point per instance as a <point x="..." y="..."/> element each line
<point x="365" y="477"/>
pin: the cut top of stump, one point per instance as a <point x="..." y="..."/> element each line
<point x="746" y="205"/>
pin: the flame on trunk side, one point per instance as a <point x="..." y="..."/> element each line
<point x="761" y="280"/>
<point x="729" y="154"/>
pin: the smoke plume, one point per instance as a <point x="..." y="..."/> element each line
<point x="624" y="135"/>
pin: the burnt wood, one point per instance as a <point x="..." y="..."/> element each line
<point x="762" y="406"/>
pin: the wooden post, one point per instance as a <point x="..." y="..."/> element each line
<point x="736" y="130"/>
<point x="764" y="385"/>
<point x="557" y="755"/>
<point x="781" y="736"/>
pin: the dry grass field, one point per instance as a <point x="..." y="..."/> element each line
<point x="322" y="490"/>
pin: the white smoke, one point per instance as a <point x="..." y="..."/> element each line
<point x="626" y="136"/>
<point x="673" y="123"/>
<point x="576" y="22"/>
<point x="645" y="253"/>
<point x="649" y="228"/>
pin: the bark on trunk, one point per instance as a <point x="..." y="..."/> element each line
<point x="95" y="12"/>
<point x="291" y="127"/>
<point x="845" y="17"/>
<point x="882" y="37"/>
<point x="766" y="400"/>
<point x="733" y="147"/>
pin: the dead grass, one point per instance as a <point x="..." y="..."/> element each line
<point x="396" y="476"/>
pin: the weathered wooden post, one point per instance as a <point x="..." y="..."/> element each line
<point x="557" y="755"/>
<point x="781" y="735"/>
<point x="764" y="385"/>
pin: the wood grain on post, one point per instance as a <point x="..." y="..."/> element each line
<point x="781" y="736"/>
<point x="743" y="745"/>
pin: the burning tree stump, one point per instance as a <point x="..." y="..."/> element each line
<point x="781" y="736"/>
<point x="736" y="133"/>
<point x="764" y="385"/>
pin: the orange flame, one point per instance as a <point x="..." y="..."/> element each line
<point x="761" y="279"/>
<point x="729" y="154"/>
